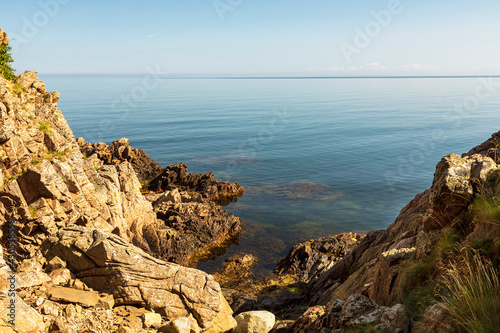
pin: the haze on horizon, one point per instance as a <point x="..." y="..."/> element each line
<point x="255" y="37"/>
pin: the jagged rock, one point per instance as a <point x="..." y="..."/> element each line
<point x="255" y="322"/>
<point x="356" y="313"/>
<point x="61" y="276"/>
<point x="117" y="152"/>
<point x="107" y="263"/>
<point x="311" y="259"/>
<point x="55" y="263"/>
<point x="489" y="148"/>
<point x="85" y="298"/>
<point x="4" y="38"/>
<point x="453" y="187"/>
<point x="190" y="226"/>
<point x="374" y="267"/>
<point x="177" y="176"/>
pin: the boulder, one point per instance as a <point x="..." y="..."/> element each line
<point x="107" y="263"/>
<point x="255" y="322"/>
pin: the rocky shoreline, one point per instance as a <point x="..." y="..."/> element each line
<point x="97" y="237"/>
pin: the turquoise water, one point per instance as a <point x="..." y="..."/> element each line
<point x="366" y="145"/>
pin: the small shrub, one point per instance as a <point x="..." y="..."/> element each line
<point x="44" y="127"/>
<point x="6" y="60"/>
<point x="473" y="298"/>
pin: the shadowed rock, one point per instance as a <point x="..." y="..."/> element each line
<point x="177" y="177"/>
<point x="311" y="259"/>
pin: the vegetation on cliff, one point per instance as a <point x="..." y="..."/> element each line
<point x="6" y="60"/>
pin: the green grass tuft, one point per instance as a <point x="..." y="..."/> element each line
<point x="473" y="295"/>
<point x="44" y="127"/>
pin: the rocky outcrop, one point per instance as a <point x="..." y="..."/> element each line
<point x="489" y="148"/>
<point x="177" y="177"/>
<point x="311" y="259"/>
<point x="191" y="225"/>
<point x="357" y="313"/>
<point x="4" y="38"/>
<point x="107" y="263"/>
<point x="373" y="268"/>
<point x="49" y="184"/>
<point x="119" y="151"/>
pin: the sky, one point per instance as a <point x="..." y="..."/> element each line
<point x="255" y="37"/>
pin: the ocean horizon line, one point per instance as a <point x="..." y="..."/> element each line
<point x="166" y="76"/>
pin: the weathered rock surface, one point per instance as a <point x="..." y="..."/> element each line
<point x="355" y="314"/>
<point x="85" y="298"/>
<point x="311" y="259"/>
<point x="107" y="263"/>
<point x="119" y="151"/>
<point x="177" y="177"/>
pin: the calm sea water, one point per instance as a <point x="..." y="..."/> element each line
<point x="317" y="156"/>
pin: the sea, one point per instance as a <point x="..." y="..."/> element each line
<point x="316" y="156"/>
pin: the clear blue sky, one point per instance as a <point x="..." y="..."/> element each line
<point x="256" y="37"/>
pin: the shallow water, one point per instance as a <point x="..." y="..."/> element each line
<point x="318" y="156"/>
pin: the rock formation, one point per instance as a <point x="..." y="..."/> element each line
<point x="177" y="176"/>
<point x="107" y="263"/>
<point x="4" y="38"/>
<point x="311" y="259"/>
<point x="51" y="192"/>
<point x="119" y="151"/>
